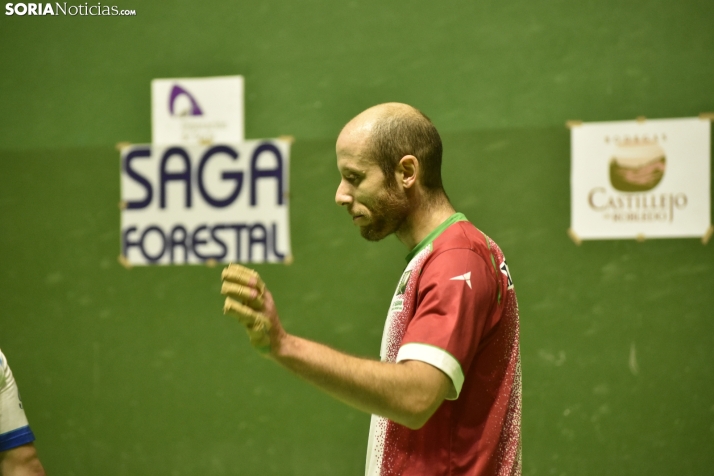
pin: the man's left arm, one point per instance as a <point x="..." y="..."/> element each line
<point x="407" y="393"/>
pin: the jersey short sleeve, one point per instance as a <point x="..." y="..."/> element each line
<point x="456" y="294"/>
<point x="14" y="429"/>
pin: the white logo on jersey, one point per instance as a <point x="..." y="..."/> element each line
<point x="504" y="270"/>
<point x="463" y="277"/>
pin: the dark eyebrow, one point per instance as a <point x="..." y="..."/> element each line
<point x="351" y="170"/>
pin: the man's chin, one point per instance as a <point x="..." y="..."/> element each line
<point x="371" y="234"/>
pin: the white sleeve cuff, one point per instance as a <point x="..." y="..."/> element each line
<point x="438" y="358"/>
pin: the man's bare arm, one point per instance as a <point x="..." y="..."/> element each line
<point x="407" y="393"/>
<point x="21" y="461"/>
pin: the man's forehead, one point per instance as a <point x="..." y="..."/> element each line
<point x="354" y="144"/>
<point x="352" y="149"/>
<point x="355" y="163"/>
<point x="353" y="139"/>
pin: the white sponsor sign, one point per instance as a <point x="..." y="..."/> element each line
<point x="197" y="111"/>
<point x="635" y="179"/>
<point x="193" y="204"/>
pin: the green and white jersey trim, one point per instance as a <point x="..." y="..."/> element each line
<point x="456" y="217"/>
<point x="438" y="358"/>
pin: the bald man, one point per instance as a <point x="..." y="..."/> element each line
<point x="445" y="397"/>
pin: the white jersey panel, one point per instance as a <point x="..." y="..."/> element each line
<point x="394" y="328"/>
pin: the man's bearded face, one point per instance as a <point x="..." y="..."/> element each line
<point x="378" y="206"/>
<point x="385" y="212"/>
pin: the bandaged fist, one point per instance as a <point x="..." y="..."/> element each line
<point x="244" y="291"/>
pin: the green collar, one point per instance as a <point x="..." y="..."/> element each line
<point x="435" y="233"/>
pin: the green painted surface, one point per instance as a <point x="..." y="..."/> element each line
<point x="137" y="372"/>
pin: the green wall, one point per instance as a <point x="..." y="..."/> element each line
<point x="132" y="372"/>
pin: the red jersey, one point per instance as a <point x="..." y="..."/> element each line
<point x="455" y="308"/>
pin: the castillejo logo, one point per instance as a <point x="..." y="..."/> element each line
<point x="637" y="165"/>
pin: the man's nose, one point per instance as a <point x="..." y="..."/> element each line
<point x="341" y="196"/>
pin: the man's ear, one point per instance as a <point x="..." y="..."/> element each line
<point x="407" y="171"/>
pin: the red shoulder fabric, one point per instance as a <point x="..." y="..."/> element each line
<point x="457" y="292"/>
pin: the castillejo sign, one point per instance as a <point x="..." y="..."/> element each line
<point x="647" y="178"/>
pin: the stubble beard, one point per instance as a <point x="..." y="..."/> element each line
<point x="388" y="213"/>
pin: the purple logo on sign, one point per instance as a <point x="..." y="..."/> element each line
<point x="193" y="108"/>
